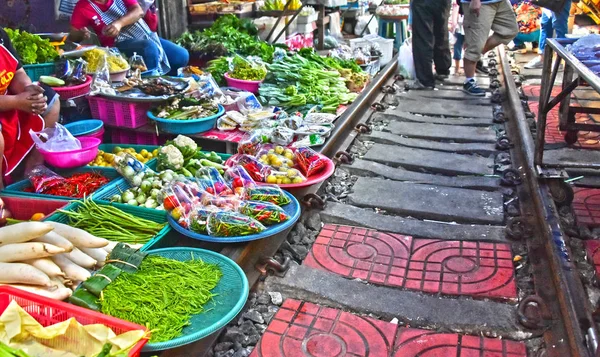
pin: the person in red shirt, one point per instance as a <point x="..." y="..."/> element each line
<point x="120" y="24"/>
<point x="23" y="106"/>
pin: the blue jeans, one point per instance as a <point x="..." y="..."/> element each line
<point x="177" y="55"/>
<point x="558" y="22"/>
<point x="458" y="46"/>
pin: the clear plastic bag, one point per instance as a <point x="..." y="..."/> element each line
<point x="319" y="118"/>
<point x="406" y="65"/>
<point x="282" y="136"/>
<point x="136" y="62"/>
<point x="247" y="69"/>
<point x="251" y="142"/>
<point x="248" y="103"/>
<point x="267" y="193"/>
<point x="212" y="182"/>
<point x="42" y="178"/>
<point x="292" y="122"/>
<point x="257" y="170"/>
<point x="239" y="179"/>
<point x="101" y="83"/>
<point x="266" y="213"/>
<point x="132" y="169"/>
<point x="586" y="47"/>
<point x="286" y="176"/>
<point x="232" y="224"/>
<point x="276" y="156"/>
<point x="57" y="139"/>
<point x="309" y="161"/>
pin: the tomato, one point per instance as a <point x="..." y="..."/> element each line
<point x="38" y="217"/>
<point x="170" y="203"/>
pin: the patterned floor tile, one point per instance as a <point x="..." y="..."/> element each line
<point x="430" y="265"/>
<point x="302" y="329"/>
<point x="422" y="343"/>
<point x="586" y="205"/>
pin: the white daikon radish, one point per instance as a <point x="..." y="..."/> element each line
<point x="54" y="292"/>
<point x="20" y="273"/>
<point x="58" y="282"/>
<point x="80" y="258"/>
<point x="78" y="237"/>
<point x="136" y="246"/>
<point x="110" y="246"/>
<point x="72" y="271"/>
<point x="97" y="253"/>
<point x="25" y="251"/>
<point x="23" y="232"/>
<point x="47" y="266"/>
<point x="57" y="240"/>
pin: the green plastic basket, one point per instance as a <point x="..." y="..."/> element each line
<point x="109" y="148"/>
<point x="18" y="187"/>
<point x="35" y="71"/>
<point x="156" y="216"/>
<point x="231" y="295"/>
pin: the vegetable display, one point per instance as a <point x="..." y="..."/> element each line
<point x="116" y="63"/>
<point x="106" y="159"/>
<point x="112" y="223"/>
<point x="31" y="48"/>
<point x="185" y="109"/>
<point x="247" y="70"/>
<point x="77" y="185"/>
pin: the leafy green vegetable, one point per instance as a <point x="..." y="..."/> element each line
<point x="246" y="70"/>
<point x="31" y="48"/>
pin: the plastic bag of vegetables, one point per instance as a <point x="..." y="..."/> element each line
<point x="132" y="170"/>
<point x="267" y="193"/>
<point x="266" y="213"/>
<point x="247" y="69"/>
<point x="232" y="224"/>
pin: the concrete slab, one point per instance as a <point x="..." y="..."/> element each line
<point x="432" y="161"/>
<point x="568" y="155"/>
<point x="483" y="80"/>
<point x="463" y="134"/>
<point x="449" y="108"/>
<point x="447" y="204"/>
<point x="460" y="148"/>
<point x="370" y="168"/>
<point x="445" y="95"/>
<point x="405" y="116"/>
<point x="414" y="308"/>
<point x="340" y="213"/>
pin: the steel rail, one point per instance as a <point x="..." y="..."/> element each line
<point x="572" y="323"/>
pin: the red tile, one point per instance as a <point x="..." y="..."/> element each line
<point x="593" y="253"/>
<point x="344" y="335"/>
<point x="465" y="268"/>
<point x="586" y="206"/>
<point x="414" y="342"/>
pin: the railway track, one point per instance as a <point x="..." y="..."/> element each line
<point x="435" y="236"/>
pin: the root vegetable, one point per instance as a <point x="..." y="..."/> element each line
<point x="110" y="246"/>
<point x="20" y="273"/>
<point x="25" y="251"/>
<point x="47" y="266"/>
<point x="57" y="240"/>
<point x="78" y="237"/>
<point x="72" y="271"/>
<point x="23" y="232"/>
<point x="97" y="253"/>
<point x="80" y="258"/>
<point x="54" y="292"/>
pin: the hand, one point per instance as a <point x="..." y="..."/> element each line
<point x="452" y="27"/>
<point x="85" y="33"/>
<point x="475" y="6"/>
<point x="113" y="29"/>
<point x="31" y="103"/>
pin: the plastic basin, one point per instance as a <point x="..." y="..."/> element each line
<point x="73" y="158"/>
<point x="84" y="127"/>
<point x="249" y="86"/>
<point x="190" y="126"/>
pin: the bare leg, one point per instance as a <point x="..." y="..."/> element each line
<point x="50" y="119"/>
<point x="469" y="68"/>
<point x="456" y="67"/>
<point x="492" y="42"/>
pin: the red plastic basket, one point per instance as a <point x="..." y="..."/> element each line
<point x="48" y="312"/>
<point x="132" y="137"/>
<point x="119" y="114"/>
<point x="22" y="208"/>
<point x="74" y="91"/>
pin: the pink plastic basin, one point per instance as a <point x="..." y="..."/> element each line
<point x="73" y="158"/>
<point x="98" y="134"/>
<point x="249" y="86"/>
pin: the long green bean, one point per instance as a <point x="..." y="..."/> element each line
<point x="112" y="223"/>
<point x="162" y="295"/>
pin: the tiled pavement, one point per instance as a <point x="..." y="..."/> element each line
<point x="304" y="329"/>
<point x="586" y="205"/>
<point x="434" y="266"/>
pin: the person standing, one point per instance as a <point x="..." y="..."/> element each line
<point x="481" y="16"/>
<point x="430" y="41"/>
<point x="456" y="27"/>
<point x="551" y="21"/>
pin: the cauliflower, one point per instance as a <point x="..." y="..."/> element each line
<point x="183" y="141"/>
<point x="169" y="157"/>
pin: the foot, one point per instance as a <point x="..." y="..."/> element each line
<point x="535" y="45"/>
<point x="518" y="48"/>
<point x="535" y="63"/>
<point x="480" y="68"/>
<point x="441" y="77"/>
<point x="471" y="87"/>
<point x="416" y="85"/>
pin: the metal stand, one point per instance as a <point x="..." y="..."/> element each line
<point x="584" y="77"/>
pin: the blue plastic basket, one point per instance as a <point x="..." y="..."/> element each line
<point x="155" y="216"/>
<point x="230" y="297"/>
<point x="18" y="187"/>
<point x="84" y="127"/>
<point x="292" y="209"/>
<point x="192" y="126"/>
<point x="35" y="71"/>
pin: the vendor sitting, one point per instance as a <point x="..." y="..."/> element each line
<point x="23" y="106"/>
<point x="120" y="23"/>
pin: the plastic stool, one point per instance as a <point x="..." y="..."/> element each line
<point x="395" y="28"/>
